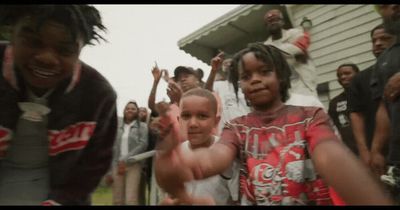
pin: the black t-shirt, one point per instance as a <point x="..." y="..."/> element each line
<point x="339" y="112"/>
<point x="360" y="101"/>
<point x="388" y="64"/>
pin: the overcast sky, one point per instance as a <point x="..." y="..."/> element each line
<point x="137" y="36"/>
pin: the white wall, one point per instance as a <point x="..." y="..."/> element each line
<point x="340" y="34"/>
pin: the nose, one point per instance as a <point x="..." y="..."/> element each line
<point x="192" y="122"/>
<point x="46" y="57"/>
<point x="255" y="78"/>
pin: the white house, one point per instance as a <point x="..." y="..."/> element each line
<point x="339" y="34"/>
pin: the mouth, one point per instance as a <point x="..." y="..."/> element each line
<point x="194" y="133"/>
<point x="43" y="72"/>
<point x="257" y="90"/>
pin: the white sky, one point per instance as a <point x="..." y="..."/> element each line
<point x="137" y="36"/>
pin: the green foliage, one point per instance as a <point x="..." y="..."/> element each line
<point x="102" y="196"/>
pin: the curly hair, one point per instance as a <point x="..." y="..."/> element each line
<point x="80" y="19"/>
<point x="268" y="54"/>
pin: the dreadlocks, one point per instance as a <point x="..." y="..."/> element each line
<point x="80" y="19"/>
<point x="268" y="54"/>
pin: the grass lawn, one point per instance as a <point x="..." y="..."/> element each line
<point x="102" y="196"/>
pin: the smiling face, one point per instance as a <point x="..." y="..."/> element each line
<point x="259" y="83"/>
<point x="131" y="112"/>
<point x="199" y="118"/>
<point x="44" y="55"/>
<point x="345" y="74"/>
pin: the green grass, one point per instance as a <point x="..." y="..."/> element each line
<point x="102" y="196"/>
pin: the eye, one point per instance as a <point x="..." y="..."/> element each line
<point x="31" y="41"/>
<point x="244" y="76"/>
<point x="266" y="71"/>
<point x="202" y="116"/>
<point x="66" y="51"/>
<point x="185" y="116"/>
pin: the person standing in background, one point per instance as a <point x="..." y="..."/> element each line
<point x="295" y="43"/>
<point x="338" y="106"/>
<point x="362" y="106"/>
<point x="132" y="139"/>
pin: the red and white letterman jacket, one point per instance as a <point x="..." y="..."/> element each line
<point x="82" y="126"/>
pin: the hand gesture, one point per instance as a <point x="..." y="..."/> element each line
<point x="165" y="75"/>
<point x="156" y="73"/>
<point x="216" y="62"/>
<point x="392" y="88"/>
<point x="174" y="92"/>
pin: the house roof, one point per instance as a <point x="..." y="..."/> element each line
<point x="230" y="32"/>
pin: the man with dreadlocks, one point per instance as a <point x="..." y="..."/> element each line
<point x="58" y="115"/>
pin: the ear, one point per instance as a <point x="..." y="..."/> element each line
<point x="217" y="119"/>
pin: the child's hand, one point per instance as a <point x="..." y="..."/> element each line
<point x="216" y="62"/>
<point x="171" y="135"/>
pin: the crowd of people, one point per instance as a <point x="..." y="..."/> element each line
<point x="253" y="133"/>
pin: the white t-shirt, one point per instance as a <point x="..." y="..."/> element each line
<point x="124" y="139"/>
<point x="222" y="190"/>
<point x="231" y="108"/>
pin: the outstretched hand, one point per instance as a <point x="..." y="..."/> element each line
<point x="170" y="169"/>
<point x="216" y="62"/>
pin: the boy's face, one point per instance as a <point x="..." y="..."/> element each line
<point x="45" y="55"/>
<point x="345" y="74"/>
<point x="198" y="118"/>
<point x="259" y="83"/>
<point x="187" y="81"/>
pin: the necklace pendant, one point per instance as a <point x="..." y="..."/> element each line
<point x="33" y="111"/>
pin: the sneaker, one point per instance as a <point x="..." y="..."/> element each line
<point x="392" y="178"/>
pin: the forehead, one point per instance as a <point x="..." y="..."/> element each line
<point x="194" y="103"/>
<point x="185" y="74"/>
<point x="273" y="13"/>
<point x="250" y="61"/>
<point x="131" y="105"/>
<point x="46" y="28"/>
<point x="345" y="69"/>
<point x="379" y="32"/>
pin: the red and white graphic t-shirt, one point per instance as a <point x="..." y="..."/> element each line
<point x="274" y="150"/>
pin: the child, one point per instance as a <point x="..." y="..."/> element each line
<point x="287" y="152"/>
<point x="198" y="118"/>
<point x="58" y="113"/>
